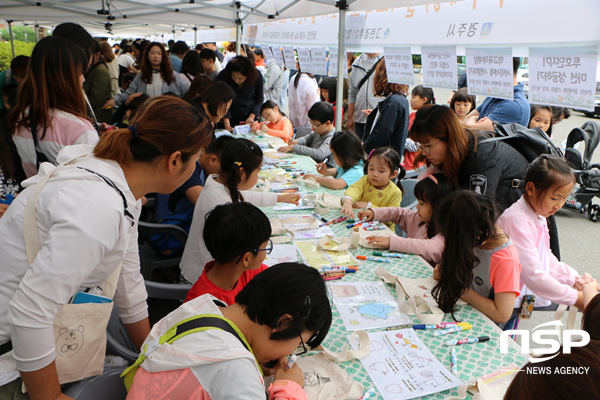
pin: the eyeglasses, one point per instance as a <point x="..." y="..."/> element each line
<point x="315" y="126"/>
<point x="302" y="348"/>
<point x="427" y="149"/>
<point x="267" y="249"/>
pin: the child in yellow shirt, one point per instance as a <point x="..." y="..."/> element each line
<point x="376" y="186"/>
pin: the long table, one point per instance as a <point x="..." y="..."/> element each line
<point x="474" y="360"/>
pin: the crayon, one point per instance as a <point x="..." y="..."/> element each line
<point x="454" y="362"/>
<point x="393" y="255"/>
<point x="393" y="328"/>
<point x="291" y="360"/>
<point x="333" y="278"/>
<point x="472" y="340"/>
<point x="377" y="259"/>
<point x="452" y="330"/>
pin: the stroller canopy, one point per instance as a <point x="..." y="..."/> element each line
<point x="589" y="133"/>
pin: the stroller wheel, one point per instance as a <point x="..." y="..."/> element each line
<point x="594" y="212"/>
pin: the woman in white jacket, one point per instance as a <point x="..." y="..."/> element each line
<point x="303" y="92"/>
<point x="87" y="225"/>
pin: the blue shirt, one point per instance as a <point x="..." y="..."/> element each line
<point x="178" y="202"/>
<point x="351" y="175"/>
<point x="175" y="63"/>
<point x="507" y="111"/>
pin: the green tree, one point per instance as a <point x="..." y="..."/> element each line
<point x="19" y="33"/>
<point x="21" y="48"/>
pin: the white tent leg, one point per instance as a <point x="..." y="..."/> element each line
<point x="342" y="5"/>
<point x="12" y="43"/>
<point x="195" y="36"/>
<point x="238" y="37"/>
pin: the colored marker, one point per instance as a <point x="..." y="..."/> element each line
<point x="425" y="326"/>
<point x="377" y="259"/>
<point x="291" y="360"/>
<point x="374" y="228"/>
<point x="354" y="224"/>
<point x="346" y="270"/>
<point x="393" y="328"/>
<point x="319" y="217"/>
<point x="351" y="221"/>
<point x="472" y="340"/>
<point x="369" y="393"/>
<point x="454" y="362"/>
<point x="333" y="278"/>
<point x="452" y="330"/>
<point x="393" y="255"/>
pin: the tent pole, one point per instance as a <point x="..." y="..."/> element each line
<point x="238" y="37"/>
<point x="195" y="36"/>
<point x="37" y="33"/>
<point x="12" y="43"/>
<point x="343" y="6"/>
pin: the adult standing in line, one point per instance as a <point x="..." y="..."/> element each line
<point x="178" y="51"/>
<point x="191" y="66"/>
<point x="274" y="83"/>
<point x="51" y="99"/>
<point x="125" y="61"/>
<point x="387" y="124"/>
<point x="360" y="94"/>
<point x="97" y="86"/>
<point x="113" y="67"/>
<point x="213" y="47"/>
<point x="502" y="110"/>
<point x="208" y="59"/>
<point x="247" y="83"/>
<point x="229" y="54"/>
<point x="81" y="246"/>
<point x="15" y="74"/>
<point x="155" y="77"/>
<point x="464" y="156"/>
<point x="303" y="92"/>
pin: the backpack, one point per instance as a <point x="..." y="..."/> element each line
<point x="531" y="143"/>
<point x="166" y="244"/>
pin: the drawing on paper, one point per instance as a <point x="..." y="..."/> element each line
<point x="376" y="346"/>
<point x="313" y="379"/>
<point x="418" y="362"/>
<point x="432" y="381"/>
<point x="345" y="291"/>
<point x="394" y="388"/>
<point x="379" y="367"/>
<point x="375" y="310"/>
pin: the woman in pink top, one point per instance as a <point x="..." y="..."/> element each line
<point x="480" y="264"/>
<point x="548" y="183"/>
<point x="51" y="96"/>
<point x="276" y="122"/>
<point x="422" y="236"/>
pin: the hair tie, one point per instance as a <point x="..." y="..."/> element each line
<point x="239" y="164"/>
<point x="133" y="130"/>
<point x="369" y="158"/>
<point x="433" y="178"/>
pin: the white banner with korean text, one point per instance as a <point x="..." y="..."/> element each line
<point x="490" y="72"/>
<point x="563" y="76"/>
<point x="439" y="66"/>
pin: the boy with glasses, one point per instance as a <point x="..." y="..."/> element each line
<point x="316" y="144"/>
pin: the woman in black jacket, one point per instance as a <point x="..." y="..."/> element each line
<point x="387" y="124"/>
<point x="465" y="157"/>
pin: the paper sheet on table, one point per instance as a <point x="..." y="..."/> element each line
<point x="314" y="256"/>
<point x="290" y="207"/>
<point x="366" y="305"/>
<point x="402" y="367"/>
<point x="334" y="244"/>
<point x="294" y="223"/>
<point x="312" y="233"/>
<point x="282" y="253"/>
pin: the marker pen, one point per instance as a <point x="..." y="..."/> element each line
<point x="333" y="278"/>
<point x="291" y="360"/>
<point x="368" y="394"/>
<point x="393" y="255"/>
<point x="377" y="259"/>
<point x="319" y="217"/>
<point x="454" y="362"/>
<point x="472" y="340"/>
<point x="425" y="326"/>
<point x="452" y="330"/>
<point x="393" y="328"/>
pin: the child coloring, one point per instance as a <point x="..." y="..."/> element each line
<point x="276" y="123"/>
<point x="237" y="237"/>
<point x="376" y="187"/>
<point x="463" y="103"/>
<point x="316" y="144"/>
<point x="480" y="263"/>
<point x="283" y="310"/>
<point x="423" y="237"/>
<point x="240" y="164"/>
<point x="548" y="183"/>
<point x="349" y="157"/>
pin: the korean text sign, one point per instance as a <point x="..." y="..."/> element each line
<point x="398" y="62"/>
<point x="439" y="66"/>
<point x="490" y="72"/>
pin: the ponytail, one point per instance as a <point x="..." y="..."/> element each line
<point x="466" y="220"/>
<point x="241" y="153"/>
<point x="153" y="133"/>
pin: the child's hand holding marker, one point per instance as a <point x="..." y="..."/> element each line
<point x="293" y="198"/>
<point x="366" y="215"/>
<point x="294" y="373"/>
<point x="322" y="167"/>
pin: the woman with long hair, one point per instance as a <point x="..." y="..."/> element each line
<point x="87" y="226"/>
<point x="51" y="101"/>
<point x="97" y="85"/>
<point x="111" y="62"/>
<point x="247" y="83"/>
<point x="191" y="66"/>
<point x="155" y="78"/>
<point x="387" y="124"/>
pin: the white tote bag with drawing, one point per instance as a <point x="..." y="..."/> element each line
<point x="79" y="329"/>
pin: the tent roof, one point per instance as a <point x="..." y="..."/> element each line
<point x="161" y="15"/>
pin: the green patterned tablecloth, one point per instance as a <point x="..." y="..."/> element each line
<point x="474" y="360"/>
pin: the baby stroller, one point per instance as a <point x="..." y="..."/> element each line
<point x="588" y="174"/>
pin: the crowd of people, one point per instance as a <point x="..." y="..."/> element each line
<point x="88" y="130"/>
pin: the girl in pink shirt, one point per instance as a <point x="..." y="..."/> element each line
<point x="422" y="236"/>
<point x="548" y="183"/>
<point x="479" y="264"/>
